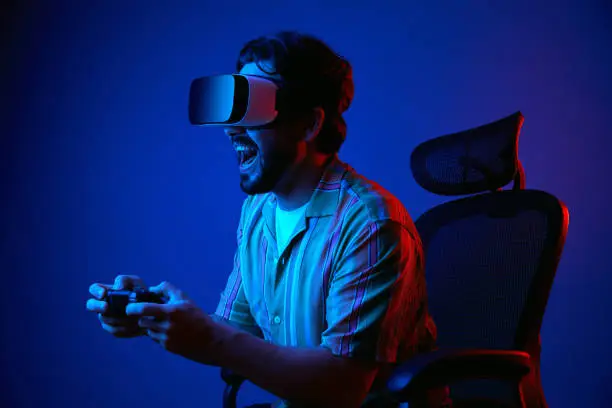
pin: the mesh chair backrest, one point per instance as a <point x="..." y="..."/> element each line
<point x="490" y="263"/>
<point x="486" y="256"/>
<point x="490" y="258"/>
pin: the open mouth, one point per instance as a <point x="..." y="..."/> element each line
<point x="246" y="152"/>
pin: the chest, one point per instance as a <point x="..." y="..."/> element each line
<point x="286" y="284"/>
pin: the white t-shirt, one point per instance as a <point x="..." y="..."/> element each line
<point x="285" y="224"/>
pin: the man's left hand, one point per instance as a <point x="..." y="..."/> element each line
<point x="180" y="326"/>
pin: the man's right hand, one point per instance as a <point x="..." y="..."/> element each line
<point x="122" y="327"/>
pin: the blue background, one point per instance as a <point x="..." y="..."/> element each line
<point x="102" y="174"/>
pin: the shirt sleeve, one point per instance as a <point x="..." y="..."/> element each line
<point x="376" y="304"/>
<point x="233" y="307"/>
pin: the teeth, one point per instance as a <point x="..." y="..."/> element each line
<point x="240" y="147"/>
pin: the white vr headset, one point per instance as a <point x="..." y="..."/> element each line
<point x="233" y="100"/>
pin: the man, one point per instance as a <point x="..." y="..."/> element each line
<point x="328" y="291"/>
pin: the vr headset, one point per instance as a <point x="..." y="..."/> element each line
<point x="234" y="100"/>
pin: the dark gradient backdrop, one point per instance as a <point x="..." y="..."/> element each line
<point x="102" y="173"/>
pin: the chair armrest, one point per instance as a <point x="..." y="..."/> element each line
<point x="231" y="378"/>
<point x="443" y="367"/>
<point x="233" y="382"/>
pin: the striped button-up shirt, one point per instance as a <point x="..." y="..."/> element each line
<point x="350" y="279"/>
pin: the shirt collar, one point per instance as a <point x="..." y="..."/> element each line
<point x="325" y="197"/>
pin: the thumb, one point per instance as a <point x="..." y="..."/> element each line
<point x="169" y="290"/>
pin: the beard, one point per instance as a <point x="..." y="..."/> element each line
<point x="269" y="168"/>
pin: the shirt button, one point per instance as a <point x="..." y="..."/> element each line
<point x="277" y="320"/>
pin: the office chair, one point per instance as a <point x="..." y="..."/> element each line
<point x="491" y="258"/>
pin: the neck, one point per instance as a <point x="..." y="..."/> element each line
<point x="296" y="188"/>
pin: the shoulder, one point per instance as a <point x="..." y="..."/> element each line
<point x="371" y="202"/>
<point x="373" y="215"/>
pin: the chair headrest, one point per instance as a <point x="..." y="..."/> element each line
<point x="484" y="158"/>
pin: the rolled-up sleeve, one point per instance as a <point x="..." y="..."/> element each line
<point x="376" y="294"/>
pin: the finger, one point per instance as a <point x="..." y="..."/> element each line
<point x="98" y="290"/>
<point x="147" y="309"/>
<point x="128" y="282"/>
<point x="153" y="325"/>
<point x="169" y="290"/>
<point x="114" y="330"/>
<point x="158" y="337"/>
<point x="98" y="306"/>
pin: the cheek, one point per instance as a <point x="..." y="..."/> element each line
<point x="274" y="141"/>
<point x="267" y="140"/>
<point x="260" y="137"/>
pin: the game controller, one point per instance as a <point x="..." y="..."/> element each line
<point x="118" y="300"/>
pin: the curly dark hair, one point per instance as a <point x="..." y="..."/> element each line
<point x="315" y="74"/>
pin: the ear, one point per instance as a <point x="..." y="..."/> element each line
<point x="315" y="124"/>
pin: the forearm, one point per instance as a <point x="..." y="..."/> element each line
<point x="254" y="330"/>
<point x="312" y="377"/>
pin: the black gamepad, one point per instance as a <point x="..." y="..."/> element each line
<point x="118" y="300"/>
